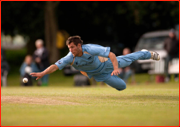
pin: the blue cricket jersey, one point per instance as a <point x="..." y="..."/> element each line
<point x="94" y="61"/>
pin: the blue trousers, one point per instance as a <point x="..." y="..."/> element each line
<point x="124" y="61"/>
<point x="125" y="75"/>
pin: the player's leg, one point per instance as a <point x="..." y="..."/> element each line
<point x="116" y="82"/>
<point x="126" y="60"/>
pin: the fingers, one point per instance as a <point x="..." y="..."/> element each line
<point x="115" y="73"/>
<point x="38" y="75"/>
<point x="118" y="72"/>
<point x="34" y="74"/>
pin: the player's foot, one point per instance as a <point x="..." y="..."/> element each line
<point x="154" y="55"/>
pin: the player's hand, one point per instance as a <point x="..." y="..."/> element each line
<point x="38" y="75"/>
<point x="115" y="72"/>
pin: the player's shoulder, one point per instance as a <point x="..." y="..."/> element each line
<point x="89" y="46"/>
<point x="68" y="58"/>
<point x="86" y="45"/>
<point x="70" y="55"/>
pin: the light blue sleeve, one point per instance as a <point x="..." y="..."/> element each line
<point x="68" y="59"/>
<point x="97" y="50"/>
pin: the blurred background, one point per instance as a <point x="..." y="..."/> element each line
<point x="116" y="24"/>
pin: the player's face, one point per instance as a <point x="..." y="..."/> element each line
<point x="75" y="50"/>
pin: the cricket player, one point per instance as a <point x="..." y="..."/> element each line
<point x="97" y="61"/>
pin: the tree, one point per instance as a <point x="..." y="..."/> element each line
<point x="51" y="29"/>
<point x="123" y="21"/>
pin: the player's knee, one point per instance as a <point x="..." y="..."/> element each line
<point x="121" y="89"/>
<point x="123" y="86"/>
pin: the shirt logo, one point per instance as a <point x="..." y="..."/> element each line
<point x="59" y="62"/>
<point x="89" y="58"/>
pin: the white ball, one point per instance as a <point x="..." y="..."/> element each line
<point x="25" y="80"/>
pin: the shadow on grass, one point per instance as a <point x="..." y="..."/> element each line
<point x="141" y="97"/>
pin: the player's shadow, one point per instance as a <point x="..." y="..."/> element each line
<point x="155" y="97"/>
<point x="143" y="97"/>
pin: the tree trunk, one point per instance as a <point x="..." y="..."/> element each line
<point x="51" y="28"/>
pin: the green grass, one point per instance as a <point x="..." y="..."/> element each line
<point x="142" y="105"/>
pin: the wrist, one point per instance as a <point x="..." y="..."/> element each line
<point x="116" y="68"/>
<point x="43" y="73"/>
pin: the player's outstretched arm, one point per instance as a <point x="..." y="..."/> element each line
<point x="49" y="70"/>
<point x="113" y="59"/>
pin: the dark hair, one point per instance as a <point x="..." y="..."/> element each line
<point x="75" y="39"/>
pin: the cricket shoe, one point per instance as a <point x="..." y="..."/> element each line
<point x="154" y="55"/>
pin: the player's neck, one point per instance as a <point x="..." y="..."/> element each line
<point x="80" y="54"/>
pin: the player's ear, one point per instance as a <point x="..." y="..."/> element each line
<point x="79" y="45"/>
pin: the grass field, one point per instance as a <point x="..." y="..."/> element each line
<point x="142" y="105"/>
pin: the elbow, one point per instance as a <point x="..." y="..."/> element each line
<point x="55" y="67"/>
<point x="111" y="54"/>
